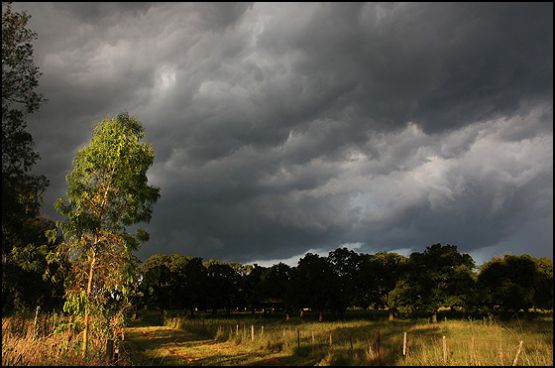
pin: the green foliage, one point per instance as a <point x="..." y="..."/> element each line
<point x="543" y="297"/>
<point x="517" y="282"/>
<point x="377" y="278"/>
<point x="107" y="191"/>
<point x="36" y="276"/>
<point x="440" y="276"/>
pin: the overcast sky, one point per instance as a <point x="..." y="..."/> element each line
<point x="283" y="128"/>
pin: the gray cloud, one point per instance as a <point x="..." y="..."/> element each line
<point x="280" y="128"/>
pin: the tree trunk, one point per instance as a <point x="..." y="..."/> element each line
<point x="86" y="322"/>
<point x="434" y="316"/>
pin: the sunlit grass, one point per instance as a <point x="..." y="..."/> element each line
<point x="49" y="341"/>
<point x="227" y="341"/>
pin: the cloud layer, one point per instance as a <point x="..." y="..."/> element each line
<point x="280" y="128"/>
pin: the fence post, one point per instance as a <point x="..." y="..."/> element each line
<point x="405" y="344"/>
<point x="37" y="310"/>
<point x="252" y="332"/>
<point x="444" y="350"/>
<point x="262" y="331"/>
<point x="331" y="341"/>
<point x="237" y="330"/>
<point x="298" y="338"/>
<point x="518" y="352"/>
<point x="312" y="333"/>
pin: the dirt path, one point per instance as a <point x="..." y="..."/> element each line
<point x="159" y="345"/>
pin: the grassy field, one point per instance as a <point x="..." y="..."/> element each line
<point x="244" y="340"/>
<point x="257" y="341"/>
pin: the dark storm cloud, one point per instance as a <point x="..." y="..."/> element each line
<point x="280" y="128"/>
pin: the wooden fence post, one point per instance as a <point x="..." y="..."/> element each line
<point x="237" y="330"/>
<point x="37" y="310"/>
<point x="518" y="352"/>
<point x="252" y="332"/>
<point x="262" y="331"/>
<point x="312" y="333"/>
<point x="298" y="339"/>
<point x="331" y="341"/>
<point x="405" y="344"/>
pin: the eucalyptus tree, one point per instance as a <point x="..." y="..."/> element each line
<point x="107" y="192"/>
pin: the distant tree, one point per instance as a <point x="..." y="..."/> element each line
<point x="222" y="281"/>
<point x="510" y="282"/>
<point x="346" y="265"/>
<point x="21" y="191"/>
<point x="440" y="276"/>
<point x="276" y="285"/>
<point x="195" y="282"/>
<point x="543" y="290"/>
<point x="160" y="284"/>
<point x="251" y="287"/>
<point x="316" y="283"/>
<point x="386" y="270"/>
<point x="107" y="191"/>
<point x="179" y="297"/>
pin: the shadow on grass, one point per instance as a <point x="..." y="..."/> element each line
<point x="377" y="344"/>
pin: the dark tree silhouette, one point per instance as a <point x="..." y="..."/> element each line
<point x="440" y="276"/>
<point x="21" y="191"/>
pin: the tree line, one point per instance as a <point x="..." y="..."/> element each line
<point x="440" y="276"/>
